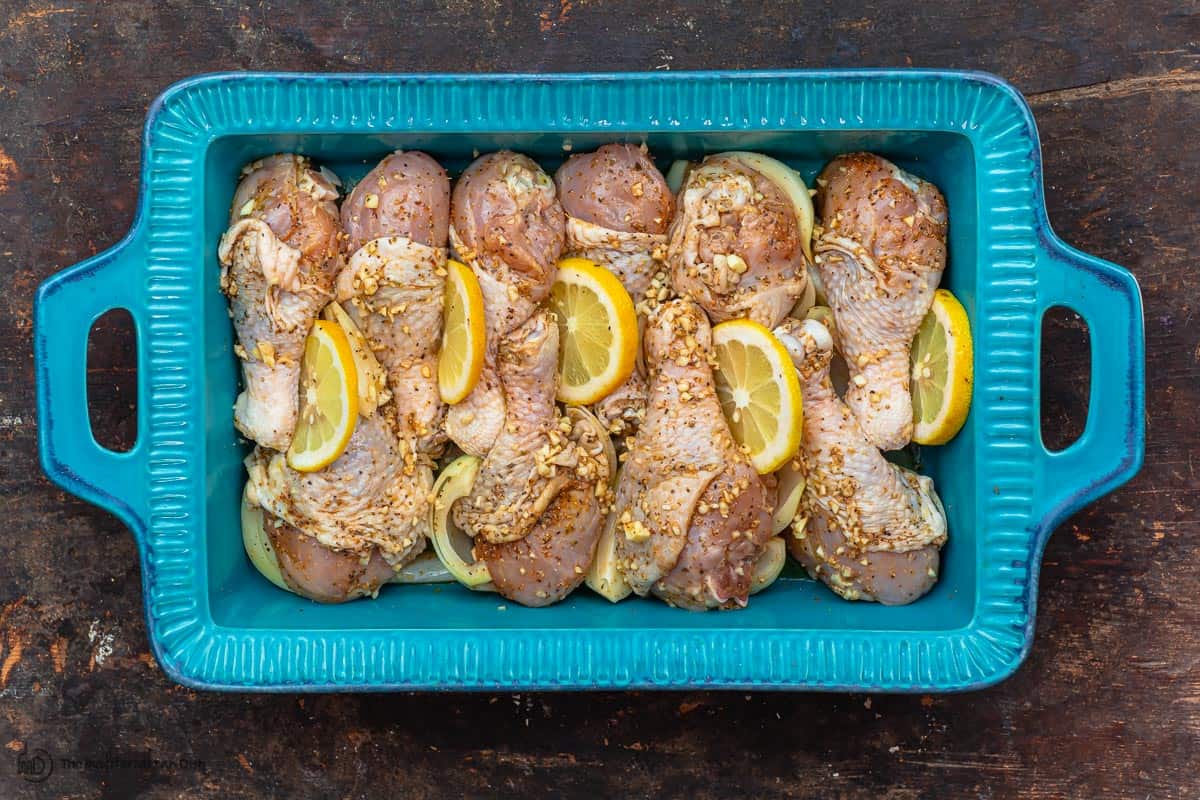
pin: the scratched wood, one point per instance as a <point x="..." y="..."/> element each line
<point x="1108" y="704"/>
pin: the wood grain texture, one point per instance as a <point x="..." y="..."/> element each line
<point x="1108" y="704"/>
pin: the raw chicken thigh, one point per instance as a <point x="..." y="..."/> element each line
<point x="279" y="259"/>
<point x="880" y="254"/>
<point x="507" y="225"/>
<point x="693" y="515"/>
<point x="363" y="507"/>
<point x="618" y="210"/>
<point x="868" y="528"/>
<point x="736" y="245"/>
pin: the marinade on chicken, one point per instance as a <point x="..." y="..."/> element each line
<point x="507" y="225"/>
<point x="279" y="258"/>
<point x="880" y="253"/>
<point x="869" y="529"/>
<point x="618" y="209"/>
<point x="692" y="514"/>
<point x="736" y="246"/>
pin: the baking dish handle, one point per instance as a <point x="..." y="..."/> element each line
<point x="1111" y="448"/>
<point x="67" y="305"/>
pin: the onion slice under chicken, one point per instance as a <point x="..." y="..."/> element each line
<point x="257" y="544"/>
<point x="769" y="565"/>
<point x="452" y="544"/>
<point x="605" y="577"/>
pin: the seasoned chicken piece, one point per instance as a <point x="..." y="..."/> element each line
<point x="279" y="259"/>
<point x="406" y="194"/>
<point x="692" y="513"/>
<point x="618" y="210"/>
<point x="367" y="502"/>
<point x="735" y="246"/>
<point x="869" y="529"/>
<point x="327" y="576"/>
<point x="554" y="557"/>
<point x="880" y="255"/>
<point x="396" y="223"/>
<point x="507" y="225"/>
<point x="532" y="458"/>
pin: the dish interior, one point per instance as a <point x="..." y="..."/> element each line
<point x="239" y="598"/>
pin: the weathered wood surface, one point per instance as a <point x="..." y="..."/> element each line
<point x="1108" y="704"/>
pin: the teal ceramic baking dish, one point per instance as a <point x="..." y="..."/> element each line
<point x="214" y="623"/>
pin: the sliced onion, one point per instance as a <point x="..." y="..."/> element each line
<point x="807" y="300"/>
<point x="372" y="378"/>
<point x="425" y="568"/>
<point x="452" y="544"/>
<point x="604" y="577"/>
<point x="769" y="565"/>
<point x="791" y="487"/>
<point x="582" y="416"/>
<point x="257" y="544"/>
<point x="677" y="174"/>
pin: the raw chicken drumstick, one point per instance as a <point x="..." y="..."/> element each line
<point x="507" y="225"/>
<point x="618" y="210"/>
<point x="535" y="507"/>
<point x="869" y="529"/>
<point x="279" y="259"/>
<point x="880" y="255"/>
<point x="736" y="246"/>
<point x="693" y="515"/>
<point x="396" y="222"/>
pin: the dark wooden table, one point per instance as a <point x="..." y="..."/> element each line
<point x="1108" y="705"/>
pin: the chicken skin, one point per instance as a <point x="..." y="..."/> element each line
<point x="507" y="225"/>
<point x="534" y="508"/>
<point x="736" y="246"/>
<point x="867" y="528"/>
<point x="328" y="527"/>
<point x="618" y="209"/>
<point x="880" y="255"/>
<point x="396" y="221"/>
<point x="279" y="259"/>
<point x="519" y="478"/>
<point x="554" y="557"/>
<point x="319" y="573"/>
<point x="692" y="514"/>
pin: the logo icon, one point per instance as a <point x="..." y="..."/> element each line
<point x="34" y="765"/>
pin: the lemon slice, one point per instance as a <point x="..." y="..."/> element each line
<point x="942" y="371"/>
<point x="453" y="545"/>
<point x="759" y="392"/>
<point x="598" y="331"/>
<point x="372" y="379"/>
<point x="769" y="565"/>
<point x="328" y="399"/>
<point x="461" y="358"/>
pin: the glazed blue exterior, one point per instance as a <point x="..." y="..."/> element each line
<point x="214" y="623"/>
